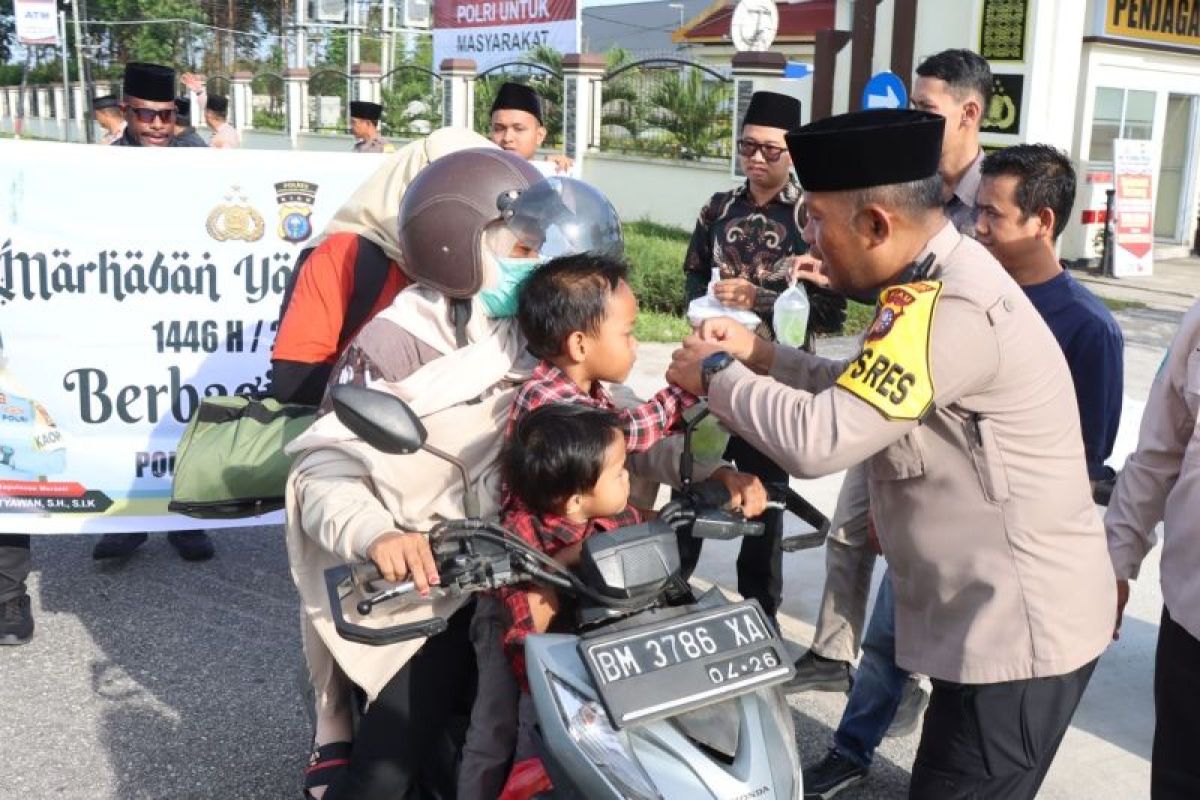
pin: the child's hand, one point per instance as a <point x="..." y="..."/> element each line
<point x="543" y="605"/>
<point x="746" y="491"/>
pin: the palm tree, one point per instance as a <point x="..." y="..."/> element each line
<point x="695" y="112"/>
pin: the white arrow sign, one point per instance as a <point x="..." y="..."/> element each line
<point x="889" y="100"/>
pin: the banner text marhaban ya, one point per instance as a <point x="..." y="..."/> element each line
<point x="123" y="274"/>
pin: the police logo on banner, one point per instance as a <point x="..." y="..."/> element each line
<point x="235" y="219"/>
<point x="296" y="200"/>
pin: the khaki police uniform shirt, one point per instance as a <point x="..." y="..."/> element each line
<point x="1161" y="481"/>
<point x="369" y="145"/>
<point x="962" y="405"/>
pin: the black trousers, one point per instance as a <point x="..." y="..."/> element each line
<point x="14" y="564"/>
<point x="995" y="740"/>
<point x="1175" y="768"/>
<point x="407" y="744"/>
<point x="760" y="561"/>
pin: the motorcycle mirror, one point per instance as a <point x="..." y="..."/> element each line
<point x="382" y="420"/>
<point x="385" y="422"/>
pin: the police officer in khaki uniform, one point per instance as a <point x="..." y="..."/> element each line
<point x="961" y="403"/>
<point x="364" y="125"/>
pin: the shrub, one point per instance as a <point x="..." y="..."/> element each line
<point x="655" y="253"/>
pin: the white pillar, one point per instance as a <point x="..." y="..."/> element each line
<point x="458" y="92"/>
<point x="366" y="82"/>
<point x="43" y="102"/>
<point x="296" y="83"/>
<point x="582" y="73"/>
<point x="241" y="100"/>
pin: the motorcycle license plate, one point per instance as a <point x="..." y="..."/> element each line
<point x="666" y="668"/>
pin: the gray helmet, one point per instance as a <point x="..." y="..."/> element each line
<point x="445" y="210"/>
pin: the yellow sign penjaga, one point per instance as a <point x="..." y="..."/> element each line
<point x="1169" y="21"/>
<point x="891" y="372"/>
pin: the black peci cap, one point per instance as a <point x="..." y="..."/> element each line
<point x="361" y="109"/>
<point x="105" y="101"/>
<point x="866" y="148"/>
<point x="152" y="82"/>
<point x="773" y="110"/>
<point x="517" y="97"/>
<point x="218" y="104"/>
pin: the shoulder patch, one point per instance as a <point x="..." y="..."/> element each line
<point x="891" y="372"/>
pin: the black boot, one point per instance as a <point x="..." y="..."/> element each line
<point x="192" y="545"/>
<point x="16" y="620"/>
<point x="118" y="545"/>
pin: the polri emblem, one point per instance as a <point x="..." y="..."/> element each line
<point x="235" y="219"/>
<point x="296" y="200"/>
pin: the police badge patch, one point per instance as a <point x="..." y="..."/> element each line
<point x="892" y="371"/>
<point x="296" y="200"/>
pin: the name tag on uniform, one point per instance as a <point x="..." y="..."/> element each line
<point x="892" y="371"/>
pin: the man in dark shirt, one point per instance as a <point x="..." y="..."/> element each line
<point x="185" y="132"/>
<point x="1025" y="197"/>
<point x="750" y="235"/>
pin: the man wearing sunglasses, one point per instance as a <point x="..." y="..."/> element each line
<point x="148" y="100"/>
<point x="750" y="235"/>
<point x="148" y="103"/>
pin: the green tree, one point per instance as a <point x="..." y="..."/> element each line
<point x="695" y="112"/>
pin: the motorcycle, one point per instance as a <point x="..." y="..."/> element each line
<point x="656" y="693"/>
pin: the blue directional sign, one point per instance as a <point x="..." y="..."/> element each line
<point x="795" y="70"/>
<point x="884" y="90"/>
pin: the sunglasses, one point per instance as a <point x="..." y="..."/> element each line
<point x="770" y="152"/>
<point x="147" y="115"/>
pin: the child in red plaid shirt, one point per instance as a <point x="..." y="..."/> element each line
<point x="577" y="314"/>
<point x="564" y="466"/>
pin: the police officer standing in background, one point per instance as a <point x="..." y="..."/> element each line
<point x="106" y="110"/>
<point x="750" y="235"/>
<point x="968" y="425"/>
<point x="364" y="126"/>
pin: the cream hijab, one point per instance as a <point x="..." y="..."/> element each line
<point x="373" y="210"/>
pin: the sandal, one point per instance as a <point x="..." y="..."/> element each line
<point x="325" y="765"/>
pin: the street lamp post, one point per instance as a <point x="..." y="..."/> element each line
<point x="678" y="7"/>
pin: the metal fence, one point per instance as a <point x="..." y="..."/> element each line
<point x="545" y="80"/>
<point x="412" y="101"/>
<point x="667" y="107"/>
<point x="327" y="109"/>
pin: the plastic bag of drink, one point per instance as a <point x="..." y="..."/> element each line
<point x="709" y="307"/>
<point x="791" y="315"/>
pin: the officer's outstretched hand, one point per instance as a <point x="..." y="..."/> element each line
<point x="1122" y="599"/>
<point x="405" y="556"/>
<point x="686" y="362"/>
<point x="733" y="337"/>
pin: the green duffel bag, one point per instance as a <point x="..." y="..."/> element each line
<point x="230" y="462"/>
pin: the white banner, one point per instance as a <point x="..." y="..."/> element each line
<point x="1133" y="177"/>
<point x="37" y="21"/>
<point x="134" y="281"/>
<point x="493" y="32"/>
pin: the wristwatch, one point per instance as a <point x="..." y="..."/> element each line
<point x="711" y="365"/>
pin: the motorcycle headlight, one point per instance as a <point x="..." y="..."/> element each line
<point x="589" y="727"/>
